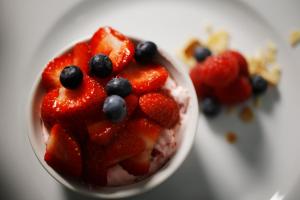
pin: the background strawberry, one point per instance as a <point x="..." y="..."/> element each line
<point x="219" y="71"/>
<point x="237" y="92"/>
<point x="201" y="88"/>
<point x="242" y="62"/>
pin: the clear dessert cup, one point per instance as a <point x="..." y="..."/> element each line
<point x="184" y="137"/>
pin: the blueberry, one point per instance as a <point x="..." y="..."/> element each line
<point x="201" y="53"/>
<point x="118" y="86"/>
<point x="71" y="77"/>
<point x="211" y="107"/>
<point x="145" y="51"/>
<point x="100" y="66"/>
<point x="114" y="108"/>
<point x="259" y="85"/>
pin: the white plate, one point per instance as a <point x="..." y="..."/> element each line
<point x="265" y="160"/>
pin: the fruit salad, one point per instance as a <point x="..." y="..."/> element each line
<point x="111" y="110"/>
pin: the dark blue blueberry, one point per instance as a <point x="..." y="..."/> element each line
<point x="210" y="107"/>
<point x="118" y="86"/>
<point x="259" y="85"/>
<point x="201" y="53"/>
<point x="114" y="108"/>
<point x="145" y="51"/>
<point x="100" y="66"/>
<point x="71" y="77"/>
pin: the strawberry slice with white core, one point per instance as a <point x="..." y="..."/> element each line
<point x="115" y="45"/>
<point x="63" y="153"/>
<point x="145" y="78"/>
<point x="78" y="56"/>
<point x="63" y="105"/>
<point x="149" y="132"/>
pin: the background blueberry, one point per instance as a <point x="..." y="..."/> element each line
<point x="100" y="66"/>
<point x="210" y="107"/>
<point x="201" y="53"/>
<point x="145" y="51"/>
<point x="259" y="85"/>
<point x="114" y="108"/>
<point x="118" y="86"/>
<point x="71" y="77"/>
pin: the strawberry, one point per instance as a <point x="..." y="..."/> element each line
<point x="242" y="62"/>
<point x="78" y="130"/>
<point x="237" y="92"/>
<point x="113" y="44"/>
<point x="50" y="75"/>
<point x="132" y="102"/>
<point x="219" y="71"/>
<point x="78" y="56"/>
<point x="201" y="88"/>
<point x="102" y="132"/>
<point x="126" y="145"/>
<point x="99" y="158"/>
<point x="81" y="56"/>
<point x="102" y="81"/>
<point x="94" y="170"/>
<point x="160" y="108"/>
<point x="145" y="78"/>
<point x="149" y="132"/>
<point x="63" y="105"/>
<point x="63" y="153"/>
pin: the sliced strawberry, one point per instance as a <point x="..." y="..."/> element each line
<point x="102" y="132"/>
<point x="149" y="132"/>
<point x="132" y="102"/>
<point x="201" y="88"/>
<point x="113" y="44"/>
<point x="99" y="158"/>
<point x="63" y="153"/>
<point x="79" y="56"/>
<point x="102" y="81"/>
<point x="78" y="129"/>
<point x="63" y="105"/>
<point x="139" y="164"/>
<point x="94" y="170"/>
<point x="82" y="56"/>
<point x="242" y="62"/>
<point x="145" y="78"/>
<point x="50" y="76"/>
<point x="237" y="92"/>
<point x="126" y="145"/>
<point x="160" y="108"/>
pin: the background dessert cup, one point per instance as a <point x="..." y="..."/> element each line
<point x="185" y="137"/>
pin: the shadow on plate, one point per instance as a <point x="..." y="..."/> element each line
<point x="189" y="182"/>
<point x="269" y="100"/>
<point x="251" y="144"/>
